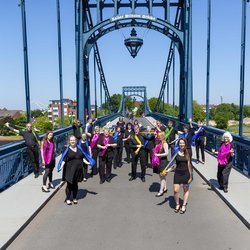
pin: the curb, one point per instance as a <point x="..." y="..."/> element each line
<point x="31" y="218"/>
<point x="243" y="220"/>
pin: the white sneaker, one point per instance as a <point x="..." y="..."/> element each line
<point x="75" y="201"/>
<point x="51" y="185"/>
<point x="84" y="179"/>
<point x="45" y="189"/>
<point x="68" y="202"/>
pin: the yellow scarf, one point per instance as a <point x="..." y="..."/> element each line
<point x="139" y="142"/>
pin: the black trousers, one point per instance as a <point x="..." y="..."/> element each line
<point x="33" y="153"/>
<point x="199" y="145"/>
<point x="135" y="158"/>
<point x="85" y="170"/>
<point x="94" y="156"/>
<point x="71" y="188"/>
<point x="105" y="167"/>
<point x="190" y="153"/>
<point x="148" y="152"/>
<point x="118" y="157"/>
<point x="48" y="172"/>
<point x="127" y="148"/>
<point x="223" y="174"/>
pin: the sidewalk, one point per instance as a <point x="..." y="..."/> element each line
<point x="237" y="197"/>
<point x="21" y="202"/>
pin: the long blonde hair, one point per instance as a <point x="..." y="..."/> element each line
<point x="162" y="138"/>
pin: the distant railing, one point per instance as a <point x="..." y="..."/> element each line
<point x="14" y="161"/>
<point x="241" y="144"/>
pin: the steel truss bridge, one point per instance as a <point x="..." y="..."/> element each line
<point x="90" y="26"/>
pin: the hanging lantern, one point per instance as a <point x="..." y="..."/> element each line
<point x="133" y="43"/>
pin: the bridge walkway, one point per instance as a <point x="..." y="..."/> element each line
<point x="127" y="215"/>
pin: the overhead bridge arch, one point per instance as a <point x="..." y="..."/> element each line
<point x="86" y="37"/>
<point x="140" y="91"/>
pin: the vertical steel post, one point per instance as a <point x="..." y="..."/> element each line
<point x="168" y="90"/>
<point x="163" y="102"/>
<point x="26" y="64"/>
<point x="173" y="79"/>
<point x="60" y="60"/>
<point x="242" y="66"/>
<point x="188" y="60"/>
<point x="95" y="87"/>
<point x="208" y="60"/>
<point x="101" y="97"/>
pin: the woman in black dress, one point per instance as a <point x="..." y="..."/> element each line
<point x="182" y="175"/>
<point x="127" y="135"/>
<point x="84" y="144"/>
<point x="72" y="169"/>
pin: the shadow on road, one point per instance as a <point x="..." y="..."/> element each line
<point x="83" y="192"/>
<point x="170" y="200"/>
<point x="154" y="187"/>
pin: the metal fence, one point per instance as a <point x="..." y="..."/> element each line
<point x="14" y="161"/>
<point x="241" y="144"/>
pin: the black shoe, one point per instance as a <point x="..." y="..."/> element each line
<point x="183" y="209"/>
<point x="221" y="188"/>
<point x="177" y="208"/>
<point x="101" y="181"/>
<point x="197" y="162"/>
<point x="36" y="175"/>
<point x="108" y="179"/>
<point x="225" y="190"/>
<point x="115" y="167"/>
<point x="131" y="178"/>
<point x="143" y="179"/>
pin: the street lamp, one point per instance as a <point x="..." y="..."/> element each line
<point x="133" y="43"/>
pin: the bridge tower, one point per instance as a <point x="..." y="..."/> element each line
<point x="88" y="32"/>
<point x="140" y="91"/>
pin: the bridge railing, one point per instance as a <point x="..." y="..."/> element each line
<point x="14" y="160"/>
<point x="241" y="144"/>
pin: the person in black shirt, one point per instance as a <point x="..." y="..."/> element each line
<point x="106" y="145"/>
<point x="187" y="134"/>
<point x="77" y="129"/>
<point x="200" y="142"/>
<point x="121" y="124"/>
<point x="127" y="134"/>
<point x="149" y="144"/>
<point x="171" y="133"/>
<point x="32" y="143"/>
<point x="118" y="138"/>
<point x="137" y="152"/>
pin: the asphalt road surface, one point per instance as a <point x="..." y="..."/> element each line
<point x="124" y="215"/>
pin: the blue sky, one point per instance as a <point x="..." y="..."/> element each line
<point x="120" y="68"/>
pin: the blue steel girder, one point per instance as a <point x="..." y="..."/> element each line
<point x="165" y="80"/>
<point x="181" y="37"/>
<point x="140" y="91"/>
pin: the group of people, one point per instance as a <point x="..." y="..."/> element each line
<point x="163" y="148"/>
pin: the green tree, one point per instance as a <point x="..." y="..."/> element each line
<point x="3" y="129"/>
<point x="152" y="102"/>
<point x="43" y="124"/>
<point x="221" y="120"/>
<point x="21" y="121"/>
<point x="198" y="113"/>
<point x="58" y="122"/>
<point x="36" y="113"/>
<point x="140" y="109"/>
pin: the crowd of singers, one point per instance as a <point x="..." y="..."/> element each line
<point x="163" y="148"/>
